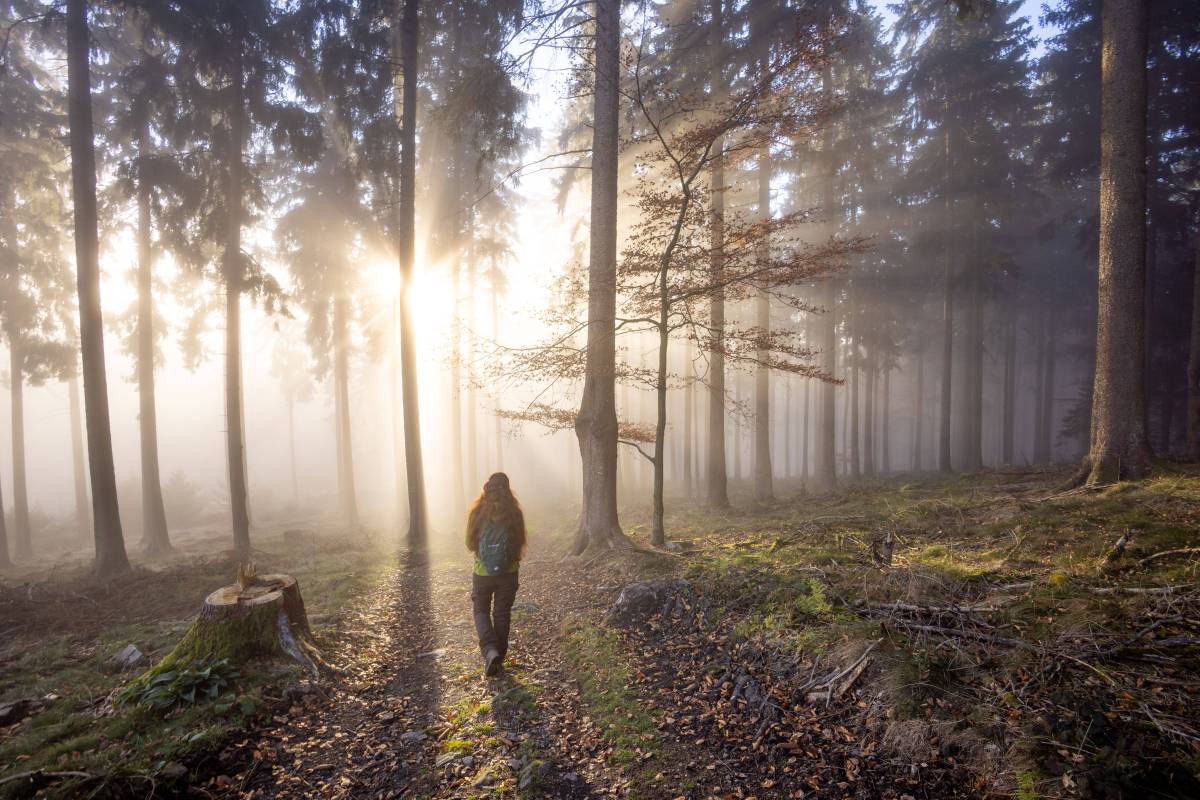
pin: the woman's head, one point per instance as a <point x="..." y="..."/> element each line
<point x="496" y="503"/>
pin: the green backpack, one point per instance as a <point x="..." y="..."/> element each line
<point x="493" y="548"/>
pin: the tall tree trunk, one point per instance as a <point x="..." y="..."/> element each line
<point x="24" y="543"/>
<point x="234" y="275"/>
<point x="1193" y="365"/>
<point x="658" y="534"/>
<point x="804" y="433"/>
<point x="717" y="489"/>
<point x="596" y="424"/>
<point x="689" y="424"/>
<point x="919" y="412"/>
<point x="83" y="515"/>
<point x="975" y="354"/>
<point x="788" y="414"/>
<point x="110" y="541"/>
<point x="947" y="315"/>
<point x="853" y="364"/>
<point x="1039" y="378"/>
<point x="825" y="475"/>
<point x="457" y="486"/>
<point x="885" y="435"/>
<point x="1044" y="448"/>
<point x="1008" y="433"/>
<point x="406" y="230"/>
<point x="1119" y="447"/>
<point x="155" y="539"/>
<point x="737" y="430"/>
<point x="872" y="370"/>
<point x="5" y="561"/>
<point x="472" y="405"/>
<point x="497" y="430"/>
<point x="764" y="484"/>
<point x="341" y="382"/>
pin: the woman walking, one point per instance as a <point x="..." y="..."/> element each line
<point x="496" y="535"/>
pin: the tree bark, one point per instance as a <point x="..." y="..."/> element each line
<point x="5" y="561"/>
<point x="872" y="370"/>
<point x="596" y="423"/>
<point x="1193" y="366"/>
<point x="918" y="404"/>
<point x="234" y="274"/>
<point x="885" y="433"/>
<point x="83" y="515"/>
<point x="1119" y="447"/>
<point x="262" y="619"/>
<point x="855" y="368"/>
<point x="947" y="315"/>
<point x="413" y="460"/>
<point x="111" y="558"/>
<point x="764" y="484"/>
<point x="1008" y="433"/>
<point x="689" y="424"/>
<point x="658" y="534"/>
<point x="497" y="430"/>
<point x="155" y="538"/>
<point x="717" y="490"/>
<point x="21" y="528"/>
<point x="341" y="387"/>
<point x="473" y="476"/>
<point x="804" y="433"/>
<point x="825" y="474"/>
<point x="1044" y="448"/>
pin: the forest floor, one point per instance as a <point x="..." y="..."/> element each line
<point x="1002" y="650"/>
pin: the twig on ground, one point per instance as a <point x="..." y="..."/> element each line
<point x="1181" y="551"/>
<point x="41" y="773"/>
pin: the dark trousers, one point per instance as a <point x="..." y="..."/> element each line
<point x="492" y="622"/>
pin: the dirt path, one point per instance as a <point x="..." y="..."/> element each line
<point x="413" y="716"/>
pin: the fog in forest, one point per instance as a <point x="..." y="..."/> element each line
<point x="915" y="163"/>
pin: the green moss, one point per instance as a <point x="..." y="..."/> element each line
<point x="605" y="677"/>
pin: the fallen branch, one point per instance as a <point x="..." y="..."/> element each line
<point x="1182" y="551"/>
<point x="919" y="609"/>
<point x="41" y="773"/>
<point x="1140" y="589"/>
<point x="853" y="671"/>
<point x="964" y="634"/>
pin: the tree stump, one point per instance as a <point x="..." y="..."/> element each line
<point x="260" y="615"/>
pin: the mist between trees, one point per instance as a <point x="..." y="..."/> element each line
<point x="264" y="259"/>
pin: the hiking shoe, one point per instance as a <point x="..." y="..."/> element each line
<point x="493" y="661"/>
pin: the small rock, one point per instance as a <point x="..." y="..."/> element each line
<point x="571" y="776"/>
<point x="17" y="710"/>
<point x="129" y="658"/>
<point x="173" y="771"/>
<point x="387" y="716"/>
<point x="637" y="601"/>
<point x="412" y="737"/>
<point x="468" y="761"/>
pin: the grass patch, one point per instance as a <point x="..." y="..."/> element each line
<point x="65" y="656"/>
<point x="604" y="676"/>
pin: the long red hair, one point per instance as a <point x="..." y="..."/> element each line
<point x="496" y="503"/>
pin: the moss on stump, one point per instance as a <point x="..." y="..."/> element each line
<point x="261" y="617"/>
